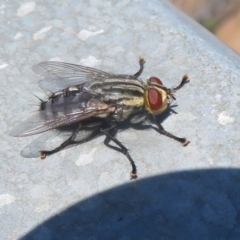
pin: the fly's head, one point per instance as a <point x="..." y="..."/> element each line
<point x="157" y="97"/>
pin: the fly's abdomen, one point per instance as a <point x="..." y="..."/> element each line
<point x="65" y="103"/>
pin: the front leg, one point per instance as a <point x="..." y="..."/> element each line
<point x="183" y="141"/>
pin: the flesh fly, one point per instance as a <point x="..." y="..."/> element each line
<point x="86" y="102"/>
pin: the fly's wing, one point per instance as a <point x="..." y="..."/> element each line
<point x="56" y="76"/>
<point x="63" y="115"/>
<point x="46" y="141"/>
<point x="54" y="138"/>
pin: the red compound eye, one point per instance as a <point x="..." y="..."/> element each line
<point x="154" y="99"/>
<point x="155" y="80"/>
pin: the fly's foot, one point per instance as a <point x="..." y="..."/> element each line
<point x="185" y="142"/>
<point x="141" y="63"/>
<point x="133" y="175"/>
<point x="185" y="78"/>
<point x="141" y="60"/>
<point x="42" y="154"/>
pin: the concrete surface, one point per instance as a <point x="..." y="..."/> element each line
<point x="85" y="192"/>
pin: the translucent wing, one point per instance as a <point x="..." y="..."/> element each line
<point x="57" y="76"/>
<point x="54" y="138"/>
<point x="47" y="141"/>
<point x="63" y="114"/>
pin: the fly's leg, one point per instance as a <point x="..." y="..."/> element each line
<point x="43" y="154"/>
<point x="112" y="132"/>
<point x="161" y="130"/>
<point x="122" y="149"/>
<point x="185" y="79"/>
<point x="141" y="63"/>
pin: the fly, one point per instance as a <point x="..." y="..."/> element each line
<point x="86" y="102"/>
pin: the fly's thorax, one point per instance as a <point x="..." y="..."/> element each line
<point x="155" y="96"/>
<point x="126" y="94"/>
<point x="122" y="92"/>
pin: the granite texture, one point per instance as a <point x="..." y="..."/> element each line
<point x="85" y="192"/>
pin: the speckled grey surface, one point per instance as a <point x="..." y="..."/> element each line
<point x="63" y="196"/>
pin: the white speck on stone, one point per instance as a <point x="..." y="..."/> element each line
<point x="91" y="61"/>
<point x="224" y="119"/>
<point x="3" y="65"/>
<point x="41" y="33"/>
<point x="6" y="199"/>
<point x="85" y="34"/>
<point x="26" y="8"/>
<point x="18" y="36"/>
<point x="85" y="159"/>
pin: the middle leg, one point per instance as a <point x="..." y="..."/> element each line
<point x="122" y="149"/>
